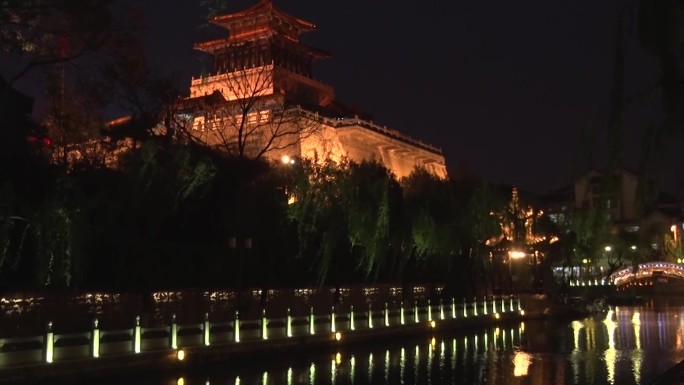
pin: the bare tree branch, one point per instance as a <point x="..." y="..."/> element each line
<point x="255" y="119"/>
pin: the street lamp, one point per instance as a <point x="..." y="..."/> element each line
<point x="287" y="160"/>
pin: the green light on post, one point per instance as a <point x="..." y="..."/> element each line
<point x="441" y="309"/>
<point x="429" y="309"/>
<point x="95" y="339"/>
<point x="370" y="316"/>
<point x="312" y="329"/>
<point x="236" y="327"/>
<point x="484" y="305"/>
<point x="351" y="318"/>
<point x="453" y="307"/>
<point x="288" y="327"/>
<point x="401" y="313"/>
<point x="416" y="319"/>
<point x="137" y="336"/>
<point x="174" y="333"/>
<point x="264" y="325"/>
<point x="386" y="315"/>
<point x="206" y="326"/>
<point x="49" y="344"/>
<point x="333" y="327"/>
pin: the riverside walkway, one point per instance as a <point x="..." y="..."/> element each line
<point x="100" y="351"/>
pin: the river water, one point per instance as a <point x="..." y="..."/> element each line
<point x="629" y="345"/>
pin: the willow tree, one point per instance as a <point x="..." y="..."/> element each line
<point x="372" y="196"/>
<point x="430" y="226"/>
<point x="318" y="214"/>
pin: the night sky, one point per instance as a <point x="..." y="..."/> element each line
<point x="517" y="90"/>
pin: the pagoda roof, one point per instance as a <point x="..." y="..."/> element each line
<point x="263" y="7"/>
<point x="212" y="46"/>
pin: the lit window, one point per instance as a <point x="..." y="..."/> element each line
<point x="198" y="123"/>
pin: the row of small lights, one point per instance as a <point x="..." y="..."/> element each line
<point x="590" y="282"/>
<point x="336" y="334"/>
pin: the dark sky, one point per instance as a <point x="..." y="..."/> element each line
<point x="511" y="88"/>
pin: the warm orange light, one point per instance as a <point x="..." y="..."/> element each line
<point x="517" y="254"/>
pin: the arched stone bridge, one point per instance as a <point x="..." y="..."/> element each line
<point x="650" y="272"/>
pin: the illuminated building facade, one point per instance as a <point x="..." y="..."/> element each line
<point x="262" y="101"/>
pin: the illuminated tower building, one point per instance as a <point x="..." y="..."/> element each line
<point x="262" y="100"/>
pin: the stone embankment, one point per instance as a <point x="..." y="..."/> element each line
<point x="98" y="353"/>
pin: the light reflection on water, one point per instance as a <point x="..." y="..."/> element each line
<point x="626" y="346"/>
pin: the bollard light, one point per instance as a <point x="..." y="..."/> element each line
<point x="49" y="344"/>
<point x="236" y="327"/>
<point x="429" y="309"/>
<point x="288" y="326"/>
<point x="137" y="336"/>
<point x="312" y="319"/>
<point x="401" y="313"/>
<point x="264" y="325"/>
<point x="453" y="307"/>
<point x="386" y="312"/>
<point x="333" y="327"/>
<point x="95" y="339"/>
<point x="174" y="333"/>
<point x="351" y="318"/>
<point x="484" y="305"/>
<point x="206" y="328"/>
<point x="370" y="316"/>
<point x="180" y="355"/>
<point x="338" y="336"/>
<point x="433" y="324"/>
<point x="415" y="312"/>
<point x="441" y="309"/>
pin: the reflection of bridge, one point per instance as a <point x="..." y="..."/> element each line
<point x="648" y="273"/>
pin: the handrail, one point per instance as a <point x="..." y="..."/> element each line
<point x="345" y="122"/>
